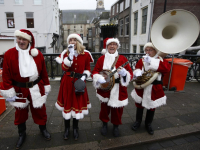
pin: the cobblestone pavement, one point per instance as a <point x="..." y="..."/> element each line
<point x="180" y="117"/>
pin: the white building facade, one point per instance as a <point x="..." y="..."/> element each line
<point x="141" y="18"/>
<point x="41" y="17"/>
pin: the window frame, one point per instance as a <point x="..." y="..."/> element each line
<point x="135" y="23"/>
<point x="127" y="4"/>
<point x="30" y="18"/>
<point x="121" y="26"/>
<point x="36" y="2"/>
<point x="1" y="2"/>
<point x="127" y="24"/>
<point x="9" y="19"/>
<point x="141" y="48"/>
<point x="121" y="6"/>
<point x="22" y="2"/>
<point x="144" y="20"/>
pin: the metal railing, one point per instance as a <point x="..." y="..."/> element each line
<point x="54" y="69"/>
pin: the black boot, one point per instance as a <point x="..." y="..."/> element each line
<point x="44" y="132"/>
<point x="75" y="129"/>
<point x="148" y="121"/>
<point x="104" y="128"/>
<point x="22" y="135"/>
<point x="136" y="124"/>
<point x="67" y="128"/>
<point x="115" y="130"/>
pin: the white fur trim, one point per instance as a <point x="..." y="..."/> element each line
<point x="74" y="35"/>
<point x="23" y="34"/>
<point x="87" y="72"/>
<point x="59" y="60"/>
<point x="47" y="88"/>
<point x="154" y="64"/>
<point x="8" y="93"/>
<point x="37" y="99"/>
<point x="149" y="44"/>
<point x="128" y="79"/>
<point x="67" y="62"/>
<point x="90" y="55"/>
<point x="89" y="105"/>
<point x="113" y="40"/>
<point x="34" y="52"/>
<point x="135" y="97"/>
<point x="114" y="98"/>
<point x="102" y="99"/>
<point x="59" y="107"/>
<point x="146" y="101"/>
<point x="103" y="51"/>
<point x="95" y="79"/>
<point x="19" y="104"/>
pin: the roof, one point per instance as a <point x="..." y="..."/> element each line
<point x="80" y="16"/>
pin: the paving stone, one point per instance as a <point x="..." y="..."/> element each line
<point x="154" y="146"/>
<point x="179" y="141"/>
<point x="191" y="138"/>
<point x="166" y="144"/>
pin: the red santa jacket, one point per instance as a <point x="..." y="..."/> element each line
<point x="151" y="96"/>
<point x="11" y="72"/>
<point x="117" y="96"/>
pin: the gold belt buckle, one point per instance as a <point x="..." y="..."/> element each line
<point x="28" y="83"/>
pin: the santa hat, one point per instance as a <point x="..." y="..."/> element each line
<point x="149" y="44"/>
<point x="107" y="41"/>
<point x="26" y="34"/>
<point x="74" y="35"/>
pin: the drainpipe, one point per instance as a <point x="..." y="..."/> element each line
<point x="130" y="16"/>
<point x="151" y="15"/>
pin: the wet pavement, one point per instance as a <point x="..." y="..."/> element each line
<point x="179" y="118"/>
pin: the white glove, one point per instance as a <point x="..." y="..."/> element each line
<point x="11" y="99"/>
<point x="138" y="73"/>
<point x="83" y="78"/>
<point x="122" y="72"/>
<point x="46" y="93"/>
<point x="101" y="80"/>
<point x="71" y="51"/>
<point x="147" y="59"/>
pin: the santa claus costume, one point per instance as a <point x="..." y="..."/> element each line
<point x="77" y="67"/>
<point x="115" y="99"/>
<point x="24" y="71"/>
<point x="152" y="96"/>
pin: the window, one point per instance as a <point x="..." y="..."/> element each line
<point x="127" y="25"/>
<point x="141" y="49"/>
<point x="144" y="20"/>
<point x="90" y="33"/>
<point x="90" y="43"/>
<point x="19" y="2"/>
<point x="37" y="2"/>
<point x="10" y="20"/>
<point x="136" y="1"/>
<point x="121" y="7"/>
<point x="134" y="49"/>
<point x="123" y="47"/>
<point x="1" y="1"/>
<point x="127" y="48"/>
<point x="113" y="10"/>
<point x="117" y="9"/>
<point x="127" y="4"/>
<point x="135" y="22"/>
<point x="121" y="27"/>
<point x="29" y="20"/>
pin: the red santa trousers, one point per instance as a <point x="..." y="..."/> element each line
<point x="116" y="114"/>
<point x="38" y="114"/>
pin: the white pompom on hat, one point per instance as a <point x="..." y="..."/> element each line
<point x="107" y="41"/>
<point x="149" y="44"/>
<point x="26" y="34"/>
<point x="74" y="35"/>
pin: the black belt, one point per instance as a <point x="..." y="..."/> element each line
<point x="26" y="84"/>
<point x="117" y="80"/>
<point x="74" y="74"/>
<point x="156" y="82"/>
